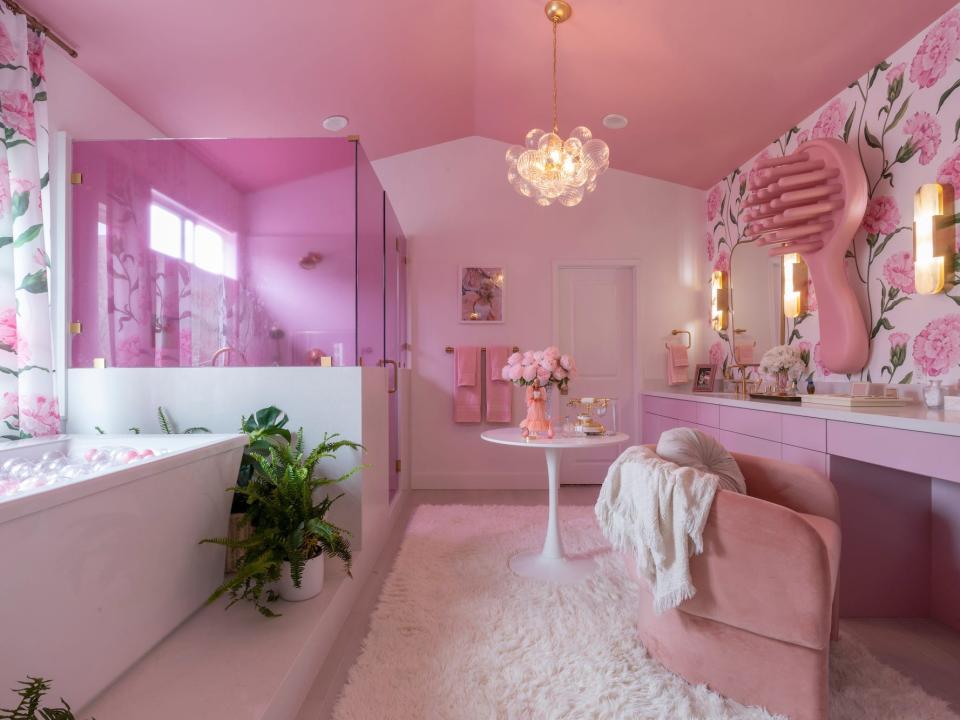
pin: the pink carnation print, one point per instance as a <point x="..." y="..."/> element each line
<point x="8" y="53"/>
<point x="722" y="261"/>
<point x="4" y="187"/>
<point x="898" y="272"/>
<point x="803" y="136"/>
<point x="898" y="339"/>
<point x="717" y="353"/>
<point x="936" y="349"/>
<point x="882" y="216"/>
<point x="129" y="351"/>
<point x="937" y="51"/>
<point x="831" y="120"/>
<point x="16" y="109"/>
<point x="8" y="329"/>
<point x="9" y="405"/>
<point x="924" y="132"/>
<point x="949" y="172"/>
<point x="812" y="304"/>
<point x="35" y="42"/>
<point x="713" y="203"/>
<point x="710" y="247"/>
<point x="895" y="73"/>
<point x="818" y="361"/>
<point x="40" y="417"/>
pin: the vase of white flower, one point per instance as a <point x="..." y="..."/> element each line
<point x="783" y="365"/>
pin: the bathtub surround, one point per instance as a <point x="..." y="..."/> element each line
<point x="900" y="116"/>
<point x="110" y="564"/>
<point x="652" y="224"/>
<point x="470" y="656"/>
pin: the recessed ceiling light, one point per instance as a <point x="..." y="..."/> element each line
<point x="335" y="123"/>
<point x="615" y="121"/>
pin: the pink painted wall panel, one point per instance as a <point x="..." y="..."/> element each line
<point x="708" y="414"/>
<point x="885" y="560"/>
<point x="808" y="458"/>
<point x="916" y="452"/>
<point x="736" y="442"/>
<point x="756" y="423"/>
<point x="810" y="433"/>
<point x="945" y="549"/>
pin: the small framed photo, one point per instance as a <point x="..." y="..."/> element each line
<point x="705" y="378"/>
<point x="481" y="294"/>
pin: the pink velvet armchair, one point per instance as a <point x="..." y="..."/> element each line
<point x="760" y="626"/>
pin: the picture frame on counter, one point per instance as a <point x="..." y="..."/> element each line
<point x="705" y="378"/>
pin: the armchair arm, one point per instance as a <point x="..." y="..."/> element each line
<point x="765" y="569"/>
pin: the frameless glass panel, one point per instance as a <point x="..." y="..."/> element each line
<point x="217" y="252"/>
<point x="370" y="263"/>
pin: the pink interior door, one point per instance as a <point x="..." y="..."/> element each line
<point x="597" y="320"/>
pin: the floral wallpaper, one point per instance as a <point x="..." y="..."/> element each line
<point x="903" y="118"/>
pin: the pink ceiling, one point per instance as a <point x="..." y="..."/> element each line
<point x="704" y="84"/>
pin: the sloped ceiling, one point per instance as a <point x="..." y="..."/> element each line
<point x="704" y="84"/>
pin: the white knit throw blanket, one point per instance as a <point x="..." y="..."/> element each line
<point x="657" y="509"/>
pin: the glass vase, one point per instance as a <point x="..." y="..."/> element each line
<point x="933" y="393"/>
<point x="782" y="383"/>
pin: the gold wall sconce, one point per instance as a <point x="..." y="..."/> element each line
<point x="794" y="285"/>
<point x="719" y="300"/>
<point x="933" y="237"/>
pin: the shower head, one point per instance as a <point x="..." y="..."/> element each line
<point x="812" y="203"/>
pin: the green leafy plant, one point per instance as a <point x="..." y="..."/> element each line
<point x="264" y="428"/>
<point x="288" y="523"/>
<point x="167" y="426"/>
<point x="31" y="692"/>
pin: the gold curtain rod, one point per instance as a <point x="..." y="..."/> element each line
<point x="35" y="24"/>
<point x="449" y="349"/>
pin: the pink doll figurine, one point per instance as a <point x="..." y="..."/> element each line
<point x="536" y="421"/>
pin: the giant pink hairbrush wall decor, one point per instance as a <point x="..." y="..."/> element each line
<point x="812" y="202"/>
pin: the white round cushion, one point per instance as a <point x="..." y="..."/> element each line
<point x="691" y="448"/>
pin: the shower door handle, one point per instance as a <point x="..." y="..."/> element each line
<point x="396" y="374"/>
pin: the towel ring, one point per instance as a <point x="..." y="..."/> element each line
<point x="681" y="332"/>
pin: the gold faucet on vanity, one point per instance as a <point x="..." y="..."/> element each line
<point x="744" y="382"/>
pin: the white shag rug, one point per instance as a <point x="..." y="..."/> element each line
<point x="458" y="636"/>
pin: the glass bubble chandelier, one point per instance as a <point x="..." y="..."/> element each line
<point x="548" y="168"/>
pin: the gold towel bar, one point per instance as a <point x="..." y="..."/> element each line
<point x="449" y="349"/>
<point x="682" y="332"/>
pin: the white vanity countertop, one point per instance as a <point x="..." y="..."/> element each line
<point x="908" y="417"/>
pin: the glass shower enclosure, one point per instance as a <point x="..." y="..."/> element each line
<point x="227" y="252"/>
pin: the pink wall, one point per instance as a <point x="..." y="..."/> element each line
<point x="456" y="207"/>
<point x="901" y="118"/>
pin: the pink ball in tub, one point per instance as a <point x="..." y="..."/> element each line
<point x="147" y="453"/>
<point x="91" y="454"/>
<point x="130" y="456"/>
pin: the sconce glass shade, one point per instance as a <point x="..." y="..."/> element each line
<point x="928" y="263"/>
<point x="794" y="286"/>
<point x="719" y="300"/>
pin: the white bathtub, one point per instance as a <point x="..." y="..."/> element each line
<point x="95" y="571"/>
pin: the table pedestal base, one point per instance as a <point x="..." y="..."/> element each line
<point x="564" y="570"/>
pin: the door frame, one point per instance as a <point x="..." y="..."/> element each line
<point x="634" y="266"/>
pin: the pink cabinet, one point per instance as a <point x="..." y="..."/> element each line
<point x="804" y="432"/>
<point x="739" y="443"/>
<point x="756" y="423"/>
<point x="808" y="458"/>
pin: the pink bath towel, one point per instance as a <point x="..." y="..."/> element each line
<point x="466" y="385"/>
<point x="499" y="395"/>
<point x="677" y="364"/>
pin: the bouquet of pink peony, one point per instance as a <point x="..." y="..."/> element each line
<point x="540" y="368"/>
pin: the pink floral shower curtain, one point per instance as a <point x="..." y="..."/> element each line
<point x="28" y="407"/>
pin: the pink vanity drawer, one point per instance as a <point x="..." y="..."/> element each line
<point x="810" y="433"/>
<point x="677" y="409"/>
<point x="735" y="442"/>
<point x="808" y="458"/>
<point x="914" y="452"/>
<point x="708" y="414"/>
<point x="759" y="424"/>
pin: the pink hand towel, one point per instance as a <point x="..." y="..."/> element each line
<point x="499" y="395"/>
<point x="466" y="386"/>
<point x="677" y="364"/>
<point x="744" y="353"/>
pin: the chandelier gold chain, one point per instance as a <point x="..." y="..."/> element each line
<point x="556" y="115"/>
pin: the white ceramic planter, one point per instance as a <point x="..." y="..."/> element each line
<point x="311" y="582"/>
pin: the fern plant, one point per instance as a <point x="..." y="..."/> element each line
<point x="31" y="692"/>
<point x="289" y="524"/>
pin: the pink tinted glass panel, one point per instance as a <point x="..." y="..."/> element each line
<point x="227" y="252"/>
